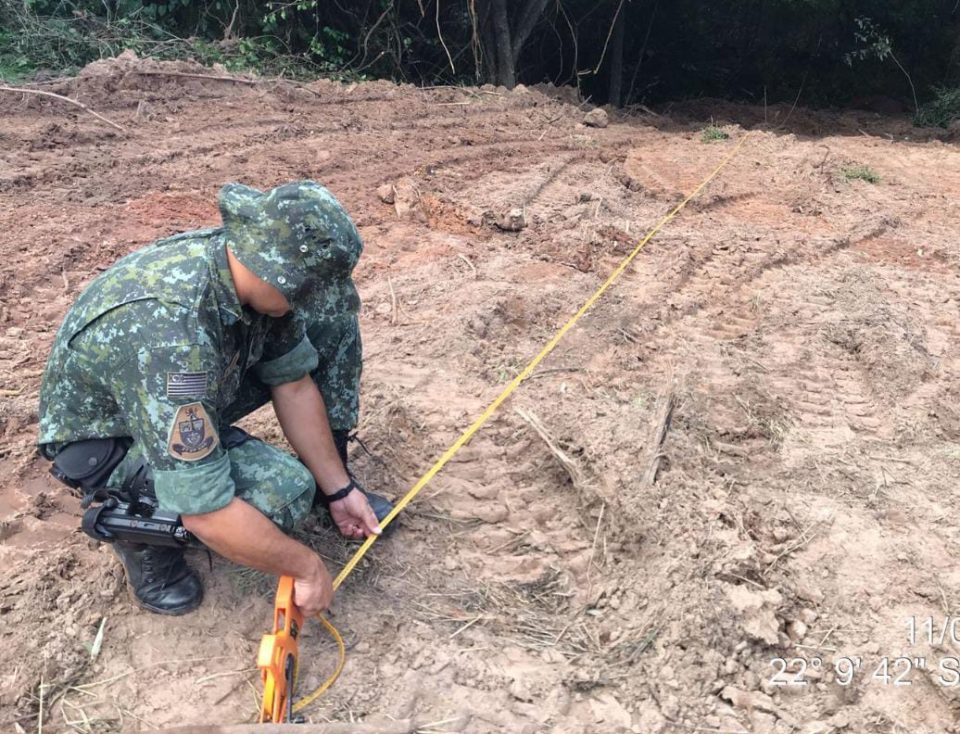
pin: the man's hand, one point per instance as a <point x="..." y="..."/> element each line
<point x="354" y="517"/>
<point x="246" y="536"/>
<point x="313" y="594"/>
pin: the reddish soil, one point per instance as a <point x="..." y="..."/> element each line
<point x="803" y="326"/>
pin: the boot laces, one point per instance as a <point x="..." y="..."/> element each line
<point x="160" y="562"/>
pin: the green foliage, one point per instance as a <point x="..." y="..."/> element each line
<point x="330" y="48"/>
<point x="77" y="33"/>
<point x="765" y="51"/>
<point x="860" y="172"/>
<point x="943" y="109"/>
<point x="14" y="64"/>
<point x="713" y="134"/>
<point x="872" y="43"/>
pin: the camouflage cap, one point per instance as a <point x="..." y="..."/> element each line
<point x="296" y="237"/>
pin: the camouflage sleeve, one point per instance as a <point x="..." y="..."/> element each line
<point x="168" y="395"/>
<point x="288" y="354"/>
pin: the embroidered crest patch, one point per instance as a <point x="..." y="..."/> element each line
<point x="186" y="384"/>
<point x="192" y="435"/>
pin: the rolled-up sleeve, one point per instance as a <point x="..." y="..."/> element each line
<point x="299" y="361"/>
<point x="288" y="354"/>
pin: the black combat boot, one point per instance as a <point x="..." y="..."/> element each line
<point x="159" y="578"/>
<point x="381" y="506"/>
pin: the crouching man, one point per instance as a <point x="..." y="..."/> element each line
<point x="176" y="341"/>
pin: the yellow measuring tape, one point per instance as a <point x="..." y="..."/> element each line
<point x="492" y="408"/>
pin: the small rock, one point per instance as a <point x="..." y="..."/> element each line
<point x="596" y="118"/>
<point x="512" y="221"/>
<point x="809" y="593"/>
<point x="808" y="616"/>
<point x="781" y="534"/>
<point x="519" y="690"/>
<point x="14" y="332"/>
<point x="386" y="193"/>
<point x="748" y="700"/>
<point x="670" y="706"/>
<point x="840" y="719"/>
<point x="757" y="611"/>
<point x="797" y="630"/>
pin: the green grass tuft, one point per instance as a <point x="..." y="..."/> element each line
<point x="863" y="173"/>
<point x="712" y="134"/>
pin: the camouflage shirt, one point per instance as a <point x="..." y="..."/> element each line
<point x="156" y="348"/>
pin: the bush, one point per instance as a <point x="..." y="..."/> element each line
<point x="943" y="109"/>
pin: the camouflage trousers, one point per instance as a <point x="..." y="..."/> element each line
<point x="268" y="478"/>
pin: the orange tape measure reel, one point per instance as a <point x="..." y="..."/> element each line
<point x="278" y="656"/>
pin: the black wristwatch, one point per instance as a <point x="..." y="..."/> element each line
<point x="329" y="499"/>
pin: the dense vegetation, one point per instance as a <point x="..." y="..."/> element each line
<point x="906" y="52"/>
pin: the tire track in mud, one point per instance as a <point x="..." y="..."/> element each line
<point x="713" y="300"/>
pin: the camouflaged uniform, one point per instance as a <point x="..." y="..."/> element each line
<point x="160" y="349"/>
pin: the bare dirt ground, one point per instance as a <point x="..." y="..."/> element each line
<point x="802" y="326"/>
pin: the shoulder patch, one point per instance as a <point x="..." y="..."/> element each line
<point x="186" y="384"/>
<point x="192" y="435"/>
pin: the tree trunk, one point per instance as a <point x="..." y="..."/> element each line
<point x="506" y="70"/>
<point x="527" y="21"/>
<point x="502" y="40"/>
<point x="616" y="58"/>
<point x="488" y="42"/>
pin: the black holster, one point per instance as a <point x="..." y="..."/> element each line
<point x="126" y="514"/>
<point x="85" y="466"/>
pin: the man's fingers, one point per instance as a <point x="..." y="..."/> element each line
<point x="370" y="519"/>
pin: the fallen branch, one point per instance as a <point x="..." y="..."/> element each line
<point x="570" y="466"/>
<point x="188" y="75"/>
<point x="662" y="413"/>
<point x="74" y="102"/>
<point x="470" y="265"/>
